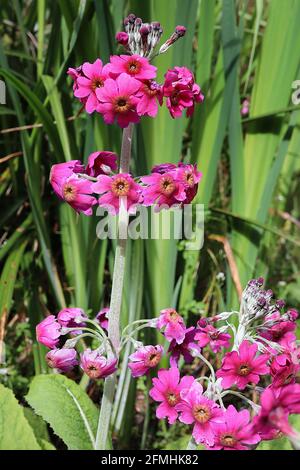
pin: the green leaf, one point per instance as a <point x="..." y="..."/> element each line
<point x="38" y="107"/>
<point x="37" y="424"/>
<point x="263" y="137"/>
<point x="57" y="110"/>
<point x="8" y="278"/>
<point x="15" y="431"/>
<point x="276" y="444"/>
<point x="45" y="445"/>
<point x="67" y="408"/>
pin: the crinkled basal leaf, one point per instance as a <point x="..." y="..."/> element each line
<point x="15" y="431"/>
<point x="67" y="408"/>
<point x="37" y="424"/>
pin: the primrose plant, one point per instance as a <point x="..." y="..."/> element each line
<point x="247" y="391"/>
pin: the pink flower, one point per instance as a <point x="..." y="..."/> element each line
<point x="102" y="318"/>
<point x="280" y="332"/>
<point x="179" y="76"/>
<point x="292" y="314"/>
<point x="235" y="432"/>
<point x="62" y="359"/>
<point x="122" y="38"/>
<point x="245" y="107"/>
<point x="166" y="390"/>
<point x="118" y="100"/>
<point x="283" y="369"/>
<point x="163" y="189"/>
<point x="163" y="168"/>
<point x="75" y="74"/>
<point x="186" y="348"/>
<point x="150" y="96"/>
<point x="60" y="173"/>
<point x="243" y="367"/>
<point x="48" y="332"/>
<point x="198" y="97"/>
<point x="181" y="91"/>
<point x="101" y="163"/>
<point x="173" y="323"/>
<point x="70" y="187"/>
<point x="92" y="79"/>
<point x="95" y="365"/>
<point x="77" y="191"/>
<point x="134" y="65"/>
<point x="205" y="413"/>
<point x="190" y="177"/>
<point x="144" y="359"/>
<point x="212" y="336"/>
<point x="117" y="189"/>
<point x="70" y="318"/>
<point x="276" y="405"/>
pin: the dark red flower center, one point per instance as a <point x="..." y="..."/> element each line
<point x="133" y="67"/>
<point x="244" y="369"/>
<point x="92" y="371"/>
<point x="172" y="398"/>
<point x="122" y="104"/>
<point x="228" y="440"/>
<point x="150" y="90"/>
<point x="214" y="336"/>
<point x="173" y="316"/>
<point x="97" y="83"/>
<point x="167" y="185"/>
<point x="69" y="192"/>
<point x="153" y="359"/>
<point x="120" y="187"/>
<point x="277" y="334"/>
<point x="201" y="413"/>
<point x="174" y="98"/>
<point x="189" y="177"/>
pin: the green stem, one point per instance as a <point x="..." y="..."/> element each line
<point x="115" y="302"/>
<point x="192" y="444"/>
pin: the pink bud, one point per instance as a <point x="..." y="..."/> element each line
<point x="122" y="38"/>
<point x="62" y="359"/>
<point x="144" y="30"/>
<point x="180" y="30"/>
<point x="95" y="365"/>
<point x="48" y="332"/>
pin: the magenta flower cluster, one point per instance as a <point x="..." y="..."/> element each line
<point x="270" y="359"/>
<point x="264" y="359"/>
<point x="167" y="185"/>
<point x="125" y="89"/>
<point x="52" y="331"/>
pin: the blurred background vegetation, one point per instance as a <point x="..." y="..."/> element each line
<point x="50" y="257"/>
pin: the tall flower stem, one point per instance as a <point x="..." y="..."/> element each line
<point x="116" y="301"/>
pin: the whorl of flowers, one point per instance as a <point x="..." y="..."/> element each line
<point x="73" y="182"/>
<point x="264" y="358"/>
<point x="125" y="89"/>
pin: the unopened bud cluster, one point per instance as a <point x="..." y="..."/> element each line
<point x="142" y="38"/>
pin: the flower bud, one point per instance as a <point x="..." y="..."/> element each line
<point x="122" y="38"/>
